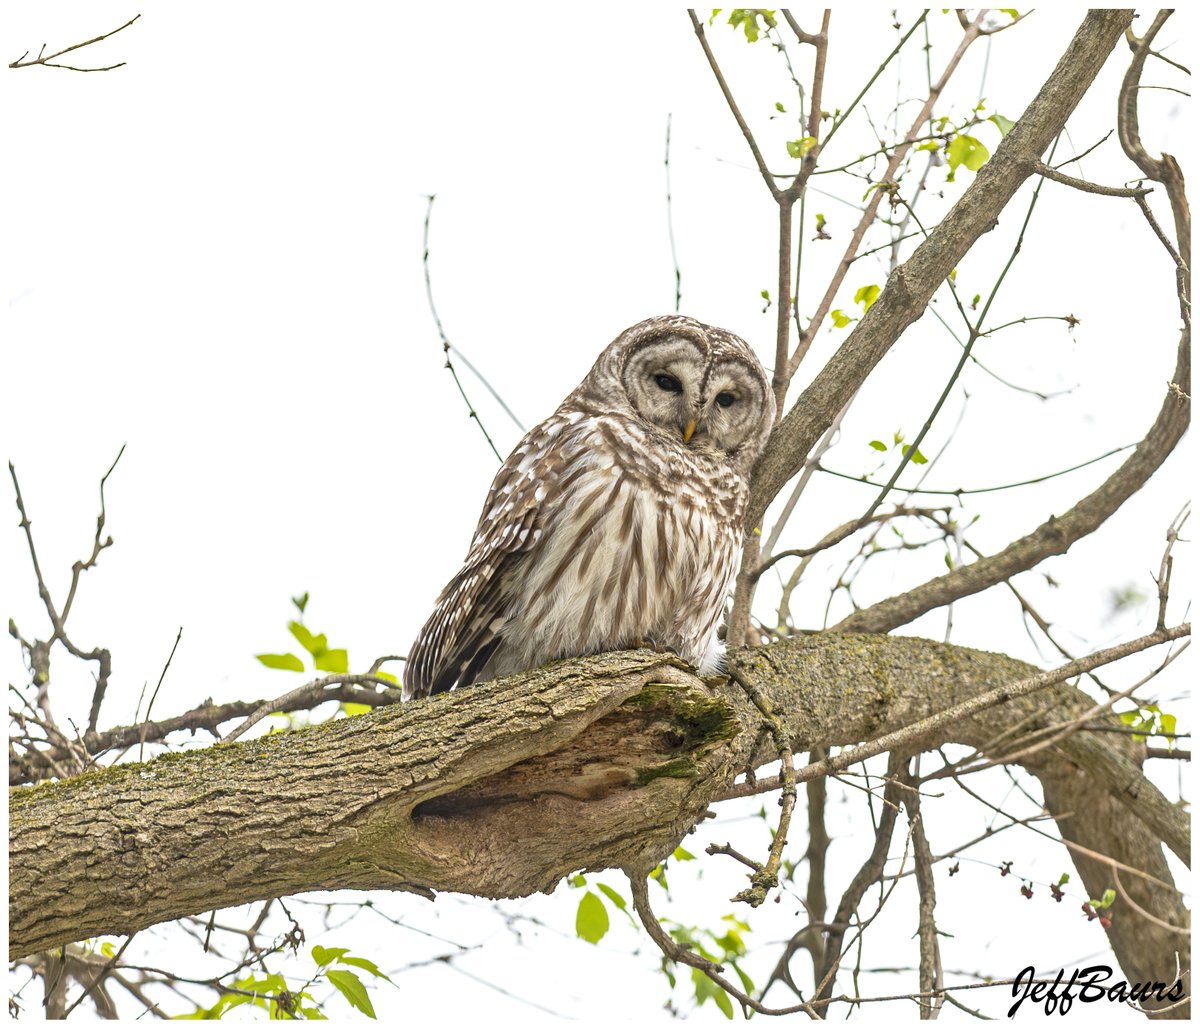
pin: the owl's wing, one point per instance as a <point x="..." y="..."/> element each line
<point x="464" y="630"/>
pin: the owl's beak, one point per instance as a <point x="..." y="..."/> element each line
<point x="688" y="430"/>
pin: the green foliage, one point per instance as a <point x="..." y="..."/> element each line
<point x="746" y="18"/>
<point x="269" y="992"/>
<point x="591" y="920"/>
<point x="706" y="989"/>
<point x="1150" y="720"/>
<point x="840" y="318"/>
<point x="324" y="658"/>
<point x="799" y="147"/>
<point x="967" y="152"/>
<point x="1003" y="124"/>
<point x="898" y="441"/>
<point x="1106" y="901"/>
<point x="347" y="983"/>
<point x="284" y="662"/>
<point x="351" y="987"/>
<point x="866" y="295"/>
<point x="725" y="945"/>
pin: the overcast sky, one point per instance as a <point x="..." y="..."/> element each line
<point x="214" y="258"/>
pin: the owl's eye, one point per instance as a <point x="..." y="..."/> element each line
<point x="726" y="399"/>
<point x="668" y="383"/>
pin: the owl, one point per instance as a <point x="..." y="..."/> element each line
<point x="615" y="523"/>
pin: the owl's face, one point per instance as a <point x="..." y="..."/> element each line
<point x="701" y="386"/>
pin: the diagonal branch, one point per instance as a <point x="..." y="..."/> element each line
<point x="45" y="59"/>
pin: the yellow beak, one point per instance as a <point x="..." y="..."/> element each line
<point x="688" y="430"/>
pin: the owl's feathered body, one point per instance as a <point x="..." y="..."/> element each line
<point x="616" y="522"/>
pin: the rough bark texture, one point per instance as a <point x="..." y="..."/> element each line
<point x="503" y="789"/>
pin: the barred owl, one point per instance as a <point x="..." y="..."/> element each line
<point x="617" y="522"/>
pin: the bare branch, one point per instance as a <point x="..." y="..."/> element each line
<point x="45" y="59"/>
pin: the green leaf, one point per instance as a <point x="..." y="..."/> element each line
<point x="1010" y="11"/>
<point x="313" y="1014"/>
<point x="288" y="662"/>
<point x="766" y="295"/>
<point x="1003" y="124"/>
<point x="680" y="854"/>
<point x="591" y="920"/>
<point x="800" y="147"/>
<point x="576" y="881"/>
<point x="747" y="19"/>
<point x="878" y="444"/>
<point x="315" y="645"/>
<point x="1064" y="879"/>
<point x="747" y="982"/>
<point x="351" y="987"/>
<point x="917" y="456"/>
<point x="108" y="950"/>
<point x="779" y="107"/>
<point x="966" y="151"/>
<point x="705" y="988"/>
<point x="334" y="661"/>
<point x="866" y="295"/>
<point x="930" y="144"/>
<point x="394" y="679"/>
<point x="1167" y="723"/>
<point x="618" y="901"/>
<point x="612" y="895"/>
<point x="367" y="965"/>
<point x="350" y="710"/>
<point x="328" y="955"/>
<point x="840" y="318"/>
<point x="301" y="603"/>
<point x="1106" y="900"/>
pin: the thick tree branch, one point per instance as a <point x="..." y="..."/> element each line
<point x="504" y="788"/>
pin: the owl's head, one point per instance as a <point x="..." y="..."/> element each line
<point x="701" y="386"/>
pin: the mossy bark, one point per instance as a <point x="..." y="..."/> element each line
<point x="502" y="789"/>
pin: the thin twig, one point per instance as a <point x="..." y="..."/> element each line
<point x="766" y="878"/>
<point x="313" y="691"/>
<point x="471" y="412"/>
<point x="44" y="59"/>
<point x="963" y="491"/>
<point x="157" y="687"/>
<point x="671" y="221"/>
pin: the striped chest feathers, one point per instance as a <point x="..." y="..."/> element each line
<point x="627" y="553"/>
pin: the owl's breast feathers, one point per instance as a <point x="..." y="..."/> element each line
<point x="593" y="537"/>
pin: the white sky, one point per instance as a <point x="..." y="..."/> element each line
<point x="214" y="257"/>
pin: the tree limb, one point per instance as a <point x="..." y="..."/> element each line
<point x="504" y="788"/>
